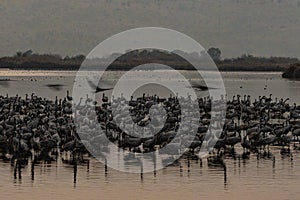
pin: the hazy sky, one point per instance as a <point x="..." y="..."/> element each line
<point x="259" y="27"/>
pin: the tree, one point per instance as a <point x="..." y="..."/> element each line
<point x="19" y="54"/>
<point x="215" y="53"/>
<point x="27" y="53"/>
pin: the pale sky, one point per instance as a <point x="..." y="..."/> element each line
<point x="259" y="27"/>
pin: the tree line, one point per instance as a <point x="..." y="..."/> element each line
<point x="31" y="60"/>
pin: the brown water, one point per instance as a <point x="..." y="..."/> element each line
<point x="273" y="177"/>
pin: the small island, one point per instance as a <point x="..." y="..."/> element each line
<point x="293" y="72"/>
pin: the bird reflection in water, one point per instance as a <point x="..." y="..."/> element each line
<point x="37" y="130"/>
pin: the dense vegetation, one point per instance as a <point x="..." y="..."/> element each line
<point x="30" y="60"/>
<point x="292" y="72"/>
<point x="252" y="63"/>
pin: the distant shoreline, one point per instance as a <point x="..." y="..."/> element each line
<point x="127" y="66"/>
<point x="229" y="68"/>
<point x="233" y="69"/>
<point x="30" y="61"/>
<point x="75" y="70"/>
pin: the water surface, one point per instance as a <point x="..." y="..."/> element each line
<point x="271" y="177"/>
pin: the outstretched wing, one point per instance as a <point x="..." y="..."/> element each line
<point x="96" y="88"/>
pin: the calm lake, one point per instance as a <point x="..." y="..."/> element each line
<point x="269" y="177"/>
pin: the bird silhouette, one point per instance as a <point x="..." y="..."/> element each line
<point x="56" y="87"/>
<point x="96" y="88"/>
<point x="201" y="87"/>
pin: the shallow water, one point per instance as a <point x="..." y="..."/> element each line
<point x="273" y="177"/>
<point x="250" y="83"/>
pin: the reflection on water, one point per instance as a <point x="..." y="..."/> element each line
<point x="266" y="176"/>
<point x="252" y="83"/>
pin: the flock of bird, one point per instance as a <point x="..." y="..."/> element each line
<point x="38" y="128"/>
